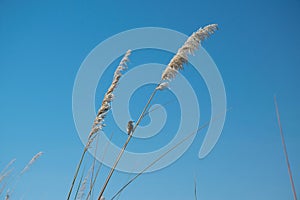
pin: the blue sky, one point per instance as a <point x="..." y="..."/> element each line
<point x="42" y="45"/>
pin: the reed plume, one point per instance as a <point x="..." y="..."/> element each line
<point x="189" y="47"/>
<point x="34" y="158"/>
<point x="8" y="166"/>
<point x="102" y="112"/>
<point x="108" y="97"/>
<point x="26" y="168"/>
<point x="170" y="72"/>
<point x="5" y="174"/>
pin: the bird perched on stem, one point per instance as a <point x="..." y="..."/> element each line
<point x="129" y="127"/>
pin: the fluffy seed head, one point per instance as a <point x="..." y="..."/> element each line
<point x="34" y="158"/>
<point x="189" y="47"/>
<point x="108" y="97"/>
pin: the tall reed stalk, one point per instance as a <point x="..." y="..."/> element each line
<point x="93" y="165"/>
<point x="25" y="169"/>
<point x="31" y="162"/>
<point x="170" y="72"/>
<point x="285" y="150"/>
<point x="163" y="155"/>
<point x="98" y="170"/>
<point x="102" y="112"/>
<point x="79" y="184"/>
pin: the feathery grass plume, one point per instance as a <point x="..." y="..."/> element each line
<point x="34" y="158"/>
<point x="6" y="174"/>
<point x="7" y="166"/>
<point x="188" y="48"/>
<point x="19" y="176"/>
<point x="102" y="112"/>
<point x="108" y="97"/>
<point x="170" y="72"/>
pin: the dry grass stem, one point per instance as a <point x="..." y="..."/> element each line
<point x="79" y="184"/>
<point x="170" y="72"/>
<point x="83" y="186"/>
<point x="93" y="165"/>
<point x="125" y="145"/>
<point x="99" y="167"/>
<point x="158" y="159"/>
<point x="167" y="152"/>
<point x="101" y="114"/>
<point x="285" y="150"/>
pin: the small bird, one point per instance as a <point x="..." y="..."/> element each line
<point x="129" y="127"/>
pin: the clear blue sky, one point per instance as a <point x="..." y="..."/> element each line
<point x="43" y="43"/>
